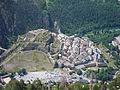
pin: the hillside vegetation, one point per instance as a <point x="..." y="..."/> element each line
<point x="74" y="16"/>
<point x="82" y="16"/>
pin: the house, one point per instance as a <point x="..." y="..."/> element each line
<point x="5" y="79"/>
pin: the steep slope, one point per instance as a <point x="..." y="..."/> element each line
<point x="6" y="22"/>
<point x="19" y="16"/>
<point x="74" y="16"/>
<point x="83" y="16"/>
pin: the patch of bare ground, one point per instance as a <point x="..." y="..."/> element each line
<point x="30" y="60"/>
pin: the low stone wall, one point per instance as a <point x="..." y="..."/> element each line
<point x="4" y="56"/>
<point x="90" y="65"/>
<point x="30" y="47"/>
<point x="81" y="63"/>
<point x="102" y="65"/>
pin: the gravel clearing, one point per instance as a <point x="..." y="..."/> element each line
<point x="44" y="76"/>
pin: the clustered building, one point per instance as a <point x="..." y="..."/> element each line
<point x="77" y="53"/>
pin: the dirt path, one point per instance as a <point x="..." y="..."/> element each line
<point x="14" y="54"/>
<point x="6" y="61"/>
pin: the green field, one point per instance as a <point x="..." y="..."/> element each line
<point x="113" y="30"/>
<point x="107" y="56"/>
<point x="30" y="60"/>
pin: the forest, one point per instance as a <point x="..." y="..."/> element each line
<point x="74" y="16"/>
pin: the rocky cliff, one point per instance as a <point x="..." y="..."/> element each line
<point x="74" y="16"/>
<point x="19" y="16"/>
<point x="6" y="23"/>
<point x="116" y="42"/>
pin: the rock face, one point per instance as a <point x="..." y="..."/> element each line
<point x="116" y="42"/>
<point x="7" y="22"/>
<point x="19" y="16"/>
<point x="3" y="31"/>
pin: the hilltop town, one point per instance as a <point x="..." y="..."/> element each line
<point x="77" y="53"/>
<point x="53" y="56"/>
